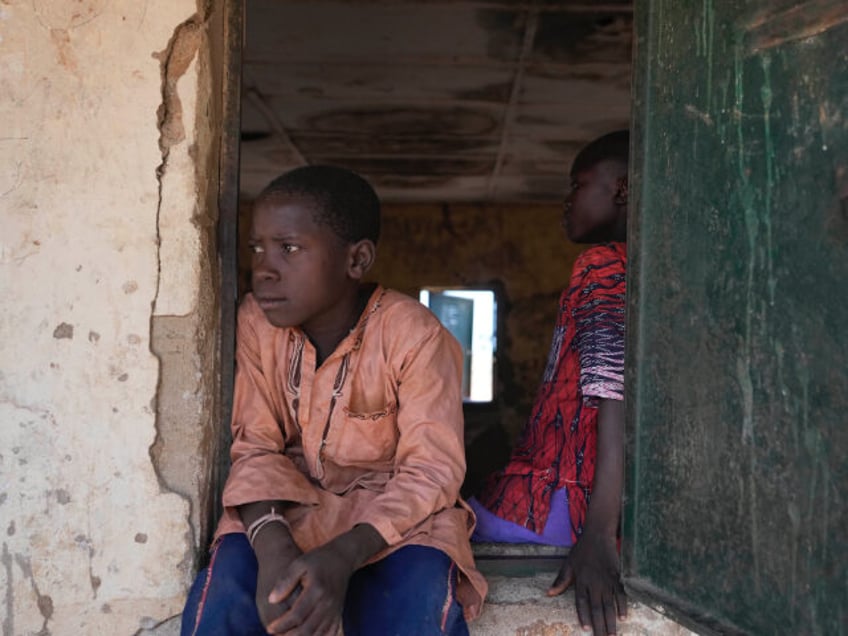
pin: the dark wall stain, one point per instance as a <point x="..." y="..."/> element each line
<point x="410" y="181"/>
<point x="580" y="38"/>
<point x="411" y="120"/>
<point x="566" y="147"/>
<point x="9" y="600"/>
<point x="63" y="330"/>
<point x="45" y="606"/>
<point x="498" y="93"/>
<point x="505" y="31"/>
<point x="398" y="167"/>
<point x="43" y="601"/>
<point x="254" y="135"/>
<point x="404" y="144"/>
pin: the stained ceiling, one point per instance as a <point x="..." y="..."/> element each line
<point x="433" y="101"/>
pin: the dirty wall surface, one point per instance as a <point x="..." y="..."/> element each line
<point x="100" y="240"/>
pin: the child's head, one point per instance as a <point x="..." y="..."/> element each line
<point x="313" y="236"/>
<point x="596" y="205"/>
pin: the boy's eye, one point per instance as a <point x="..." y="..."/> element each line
<point x="255" y="248"/>
<point x="288" y="248"/>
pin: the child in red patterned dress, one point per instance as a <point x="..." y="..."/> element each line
<point x="563" y="483"/>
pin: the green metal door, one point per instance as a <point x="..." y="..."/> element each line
<point x="737" y="483"/>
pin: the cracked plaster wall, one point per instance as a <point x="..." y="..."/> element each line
<point x="107" y="331"/>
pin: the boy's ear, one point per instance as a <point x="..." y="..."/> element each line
<point x="362" y="255"/>
<point x="621" y="191"/>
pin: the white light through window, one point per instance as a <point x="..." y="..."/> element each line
<point x="471" y="316"/>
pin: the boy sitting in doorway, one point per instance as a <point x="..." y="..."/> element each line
<point x="342" y="504"/>
<point x="563" y="483"/>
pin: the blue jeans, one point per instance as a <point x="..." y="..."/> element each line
<point x="411" y="592"/>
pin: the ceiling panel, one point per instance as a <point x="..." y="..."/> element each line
<point x="433" y="100"/>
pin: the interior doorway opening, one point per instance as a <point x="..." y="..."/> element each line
<point x="464" y="116"/>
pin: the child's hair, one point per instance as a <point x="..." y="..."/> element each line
<point x="614" y="146"/>
<point x="344" y="201"/>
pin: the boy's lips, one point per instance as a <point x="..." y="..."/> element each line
<point x="267" y="302"/>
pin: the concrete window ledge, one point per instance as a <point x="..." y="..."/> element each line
<point x="519" y="576"/>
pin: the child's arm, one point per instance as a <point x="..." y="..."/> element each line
<point x="592" y="565"/>
<point x="282" y="602"/>
<point x="261" y="477"/>
<point x="597" y="289"/>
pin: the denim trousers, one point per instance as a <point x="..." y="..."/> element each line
<point x="411" y="592"/>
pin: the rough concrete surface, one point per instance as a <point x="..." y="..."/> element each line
<point x="517" y="606"/>
<point x="93" y="542"/>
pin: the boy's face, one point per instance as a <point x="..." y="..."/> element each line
<point x="299" y="267"/>
<point x="593" y="212"/>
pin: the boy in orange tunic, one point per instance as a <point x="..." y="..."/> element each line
<point x="342" y="504"/>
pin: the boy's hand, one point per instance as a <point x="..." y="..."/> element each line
<point x="592" y="567"/>
<point x="275" y="553"/>
<point x="311" y="593"/>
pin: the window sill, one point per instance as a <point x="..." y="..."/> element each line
<point x="517" y="559"/>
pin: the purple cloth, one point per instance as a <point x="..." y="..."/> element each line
<point x="491" y="528"/>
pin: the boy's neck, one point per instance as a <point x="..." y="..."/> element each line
<point x="326" y="340"/>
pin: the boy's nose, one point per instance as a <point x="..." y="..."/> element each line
<point x="263" y="270"/>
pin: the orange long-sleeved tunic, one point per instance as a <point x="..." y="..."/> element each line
<point x="374" y="435"/>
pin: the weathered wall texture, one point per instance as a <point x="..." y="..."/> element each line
<point x="518" y="606"/>
<point x="102" y="263"/>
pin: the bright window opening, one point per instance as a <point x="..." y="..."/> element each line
<point x="471" y="316"/>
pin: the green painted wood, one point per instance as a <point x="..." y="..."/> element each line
<point x="736" y="512"/>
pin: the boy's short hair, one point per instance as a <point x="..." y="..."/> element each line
<point x="614" y="146"/>
<point x="344" y="201"/>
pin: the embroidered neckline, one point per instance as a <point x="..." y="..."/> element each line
<point x="359" y="329"/>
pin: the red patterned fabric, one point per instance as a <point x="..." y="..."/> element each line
<point x="586" y="362"/>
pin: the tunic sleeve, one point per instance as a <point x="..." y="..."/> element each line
<point x="430" y="458"/>
<point x="260" y="469"/>
<point x="597" y="296"/>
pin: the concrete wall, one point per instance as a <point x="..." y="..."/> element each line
<point x="108" y="293"/>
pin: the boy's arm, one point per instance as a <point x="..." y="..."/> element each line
<point x="303" y="592"/>
<point x="309" y="598"/>
<point x="260" y="470"/>
<point x="592" y="565"/>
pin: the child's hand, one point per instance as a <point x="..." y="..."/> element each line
<point x="275" y="554"/>
<point x="312" y="591"/>
<point x="310" y="595"/>
<point x="593" y="568"/>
